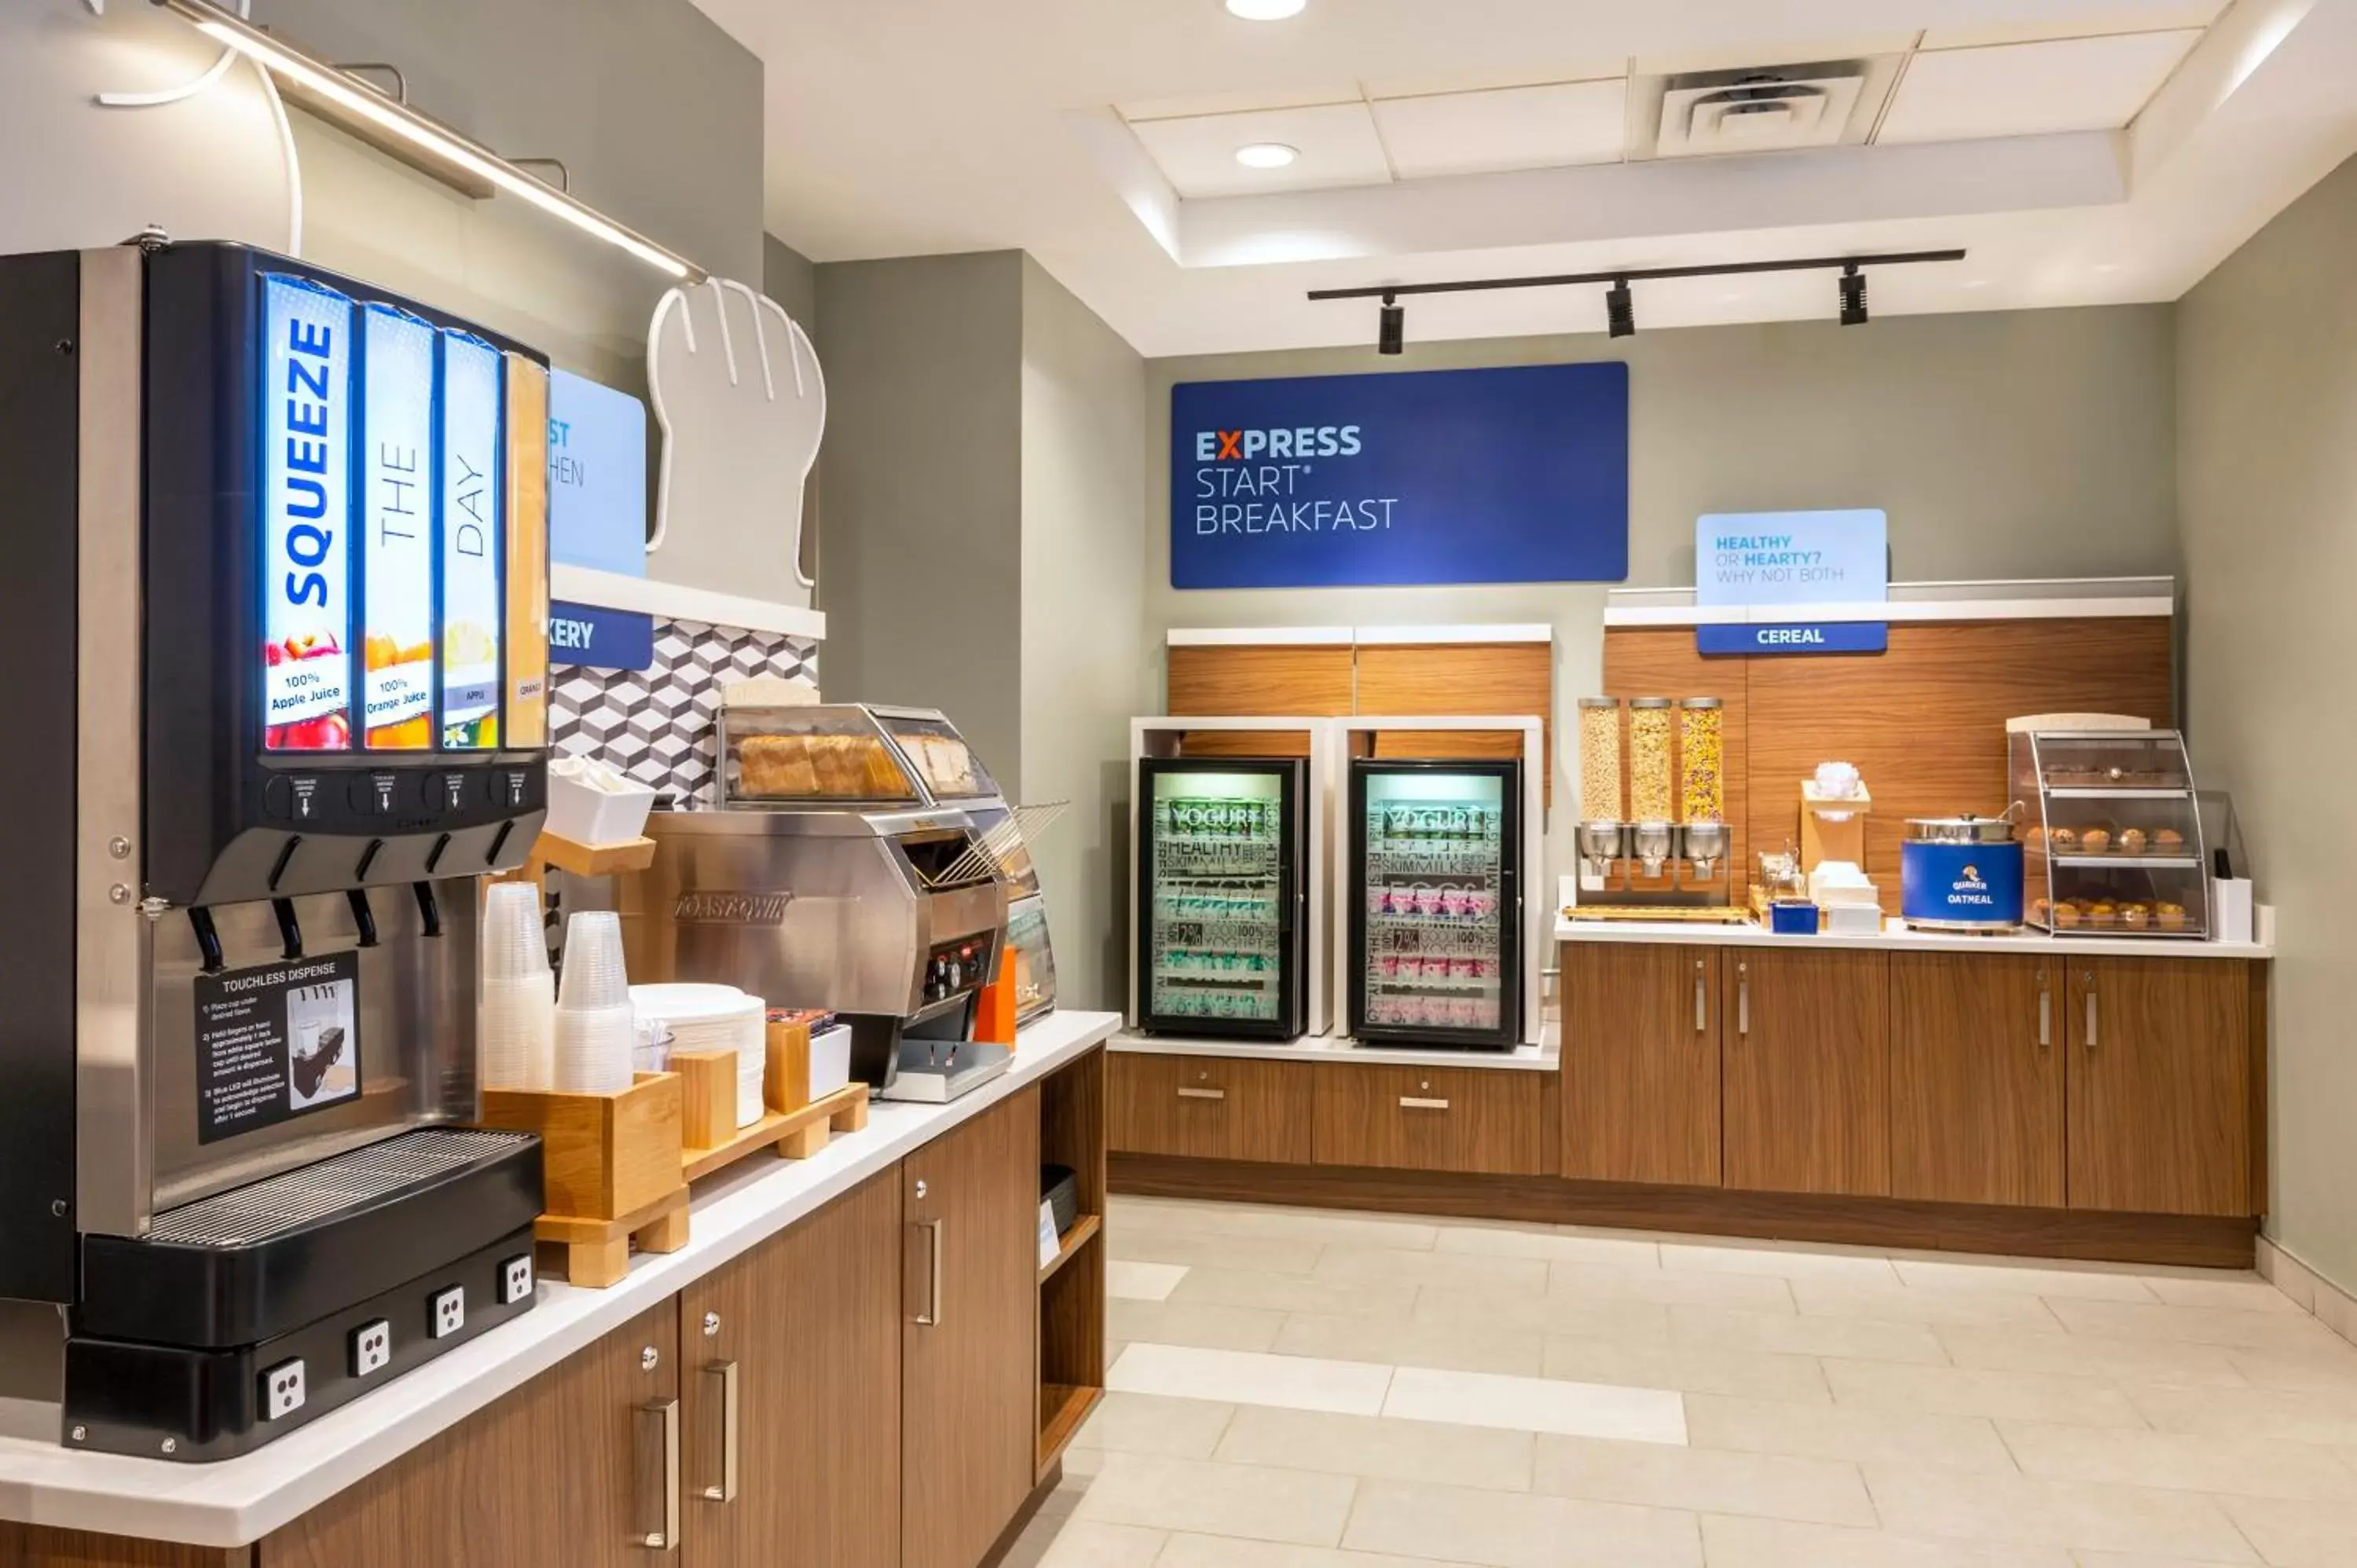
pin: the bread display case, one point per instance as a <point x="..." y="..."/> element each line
<point x="2113" y="837"/>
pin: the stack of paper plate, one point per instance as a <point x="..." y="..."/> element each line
<point x="713" y="1018"/>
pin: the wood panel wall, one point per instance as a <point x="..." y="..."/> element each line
<point x="1410" y="680"/>
<point x="1237" y="682"/>
<point x="1924" y="722"/>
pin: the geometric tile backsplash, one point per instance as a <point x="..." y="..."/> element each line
<point x="657" y="724"/>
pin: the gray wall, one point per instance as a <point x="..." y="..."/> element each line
<point x="2033" y="444"/>
<point x="1084" y="670"/>
<point x="655" y="112"/>
<point x="2268" y="477"/>
<point x="924" y="491"/>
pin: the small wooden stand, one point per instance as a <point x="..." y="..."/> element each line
<point x="611" y="1171"/>
<point x="596" y="1252"/>
<point x="548" y="852"/>
<point x="797" y="1134"/>
<point x="1822" y="840"/>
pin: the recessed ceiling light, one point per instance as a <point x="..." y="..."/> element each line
<point x="1266" y="10"/>
<point x="1266" y="155"/>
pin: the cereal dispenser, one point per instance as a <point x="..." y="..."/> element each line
<point x="1663" y="843"/>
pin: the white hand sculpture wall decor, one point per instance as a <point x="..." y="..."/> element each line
<point x="739" y="395"/>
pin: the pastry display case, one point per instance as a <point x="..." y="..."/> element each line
<point x="2113" y="837"/>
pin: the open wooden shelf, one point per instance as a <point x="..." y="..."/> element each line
<point x="593" y="860"/>
<point x="1083" y="1231"/>
<point x="1062" y="1408"/>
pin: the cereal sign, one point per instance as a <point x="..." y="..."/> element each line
<point x="1795" y="582"/>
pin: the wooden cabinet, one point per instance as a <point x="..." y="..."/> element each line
<point x="1211" y="1107"/>
<point x="1807" y="1070"/>
<point x="2159" y="1075"/>
<point x="790" y="1395"/>
<point x="571" y="1468"/>
<point x="1640" y="1063"/>
<point x="969" y="1382"/>
<point x="1977" y="1078"/>
<point x="1481" y="1119"/>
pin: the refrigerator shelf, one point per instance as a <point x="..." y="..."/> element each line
<point x="1469" y="862"/>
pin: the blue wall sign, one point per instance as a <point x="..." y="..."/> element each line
<point x="596" y="476"/>
<point x="1764" y="561"/>
<point x="600" y="638"/>
<point x="1516" y="475"/>
<point x="1793" y="636"/>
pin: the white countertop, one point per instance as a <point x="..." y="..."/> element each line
<point x="240" y="1500"/>
<point x="1896" y="938"/>
<point x="1543" y="1057"/>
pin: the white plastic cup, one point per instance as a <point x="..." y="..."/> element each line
<point x="594" y="978"/>
<point x="514" y="941"/>
<point x="514" y="1029"/>
<point x="593" y="1049"/>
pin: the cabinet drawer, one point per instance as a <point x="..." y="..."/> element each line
<point x="1429" y="1119"/>
<point x="1210" y="1108"/>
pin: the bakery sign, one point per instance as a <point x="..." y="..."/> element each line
<point x="1792" y="582"/>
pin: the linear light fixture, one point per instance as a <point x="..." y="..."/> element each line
<point x="347" y="97"/>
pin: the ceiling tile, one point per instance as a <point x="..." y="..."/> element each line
<point x="1546" y="74"/>
<point x="2083" y="85"/>
<point x="1863" y="45"/>
<point x="1522" y="127"/>
<point x="2166" y="16"/>
<point x="1337" y="143"/>
<point x="1236" y="103"/>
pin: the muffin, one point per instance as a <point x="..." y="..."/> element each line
<point x="2169" y="917"/>
<point x="2169" y="841"/>
<point x="2065" y="917"/>
<point x="2094" y="841"/>
<point x="2132" y="841"/>
<point x="2136" y="917"/>
<point x="2039" y="911"/>
<point x="2064" y="840"/>
<point x="2103" y="914"/>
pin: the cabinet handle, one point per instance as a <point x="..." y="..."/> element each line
<point x="724" y="1374"/>
<point x="1701" y="1005"/>
<point x="1419" y="1103"/>
<point x="1743" y="999"/>
<point x="2090" y="1018"/>
<point x="2045" y="1014"/>
<point x="1202" y="1093"/>
<point x="932" y="1316"/>
<point x="658" y="1461"/>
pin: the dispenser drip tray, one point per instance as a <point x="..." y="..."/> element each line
<point x="934" y="1072"/>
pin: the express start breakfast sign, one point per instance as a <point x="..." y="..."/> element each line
<point x="1514" y="474"/>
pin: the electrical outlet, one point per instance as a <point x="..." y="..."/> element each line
<point x="282" y="1390"/>
<point x="371" y="1347"/>
<point x="449" y="1311"/>
<point x="515" y="1280"/>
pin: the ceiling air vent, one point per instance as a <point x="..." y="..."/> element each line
<point x="1768" y="109"/>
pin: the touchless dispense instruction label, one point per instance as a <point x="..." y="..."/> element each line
<point x="275" y="1042"/>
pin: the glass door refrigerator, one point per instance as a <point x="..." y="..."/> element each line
<point x="1436" y="903"/>
<point x="1222" y="889"/>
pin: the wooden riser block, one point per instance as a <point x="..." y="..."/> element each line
<point x="595" y="1254"/>
<point x="708" y="1094"/>
<point x="603" y="1155"/>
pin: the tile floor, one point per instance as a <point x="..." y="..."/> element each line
<point x="1298" y="1389"/>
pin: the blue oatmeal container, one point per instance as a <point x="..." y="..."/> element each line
<point x="1960" y="874"/>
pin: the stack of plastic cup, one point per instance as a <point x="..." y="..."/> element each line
<point x="596" y="1030"/>
<point x="515" y="1019"/>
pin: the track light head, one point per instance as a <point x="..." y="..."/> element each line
<point x="1620" y="310"/>
<point x="1853" y="297"/>
<point x="1391" y="327"/>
